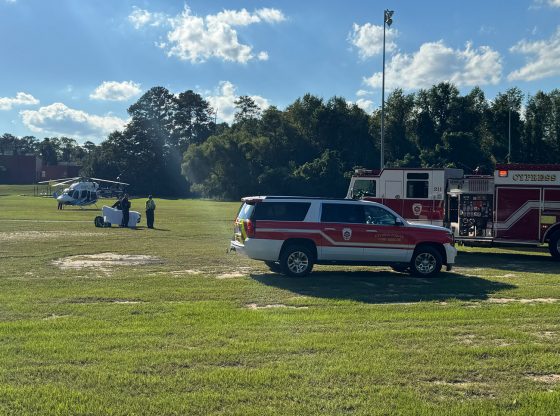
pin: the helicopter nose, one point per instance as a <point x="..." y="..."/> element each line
<point x="63" y="198"/>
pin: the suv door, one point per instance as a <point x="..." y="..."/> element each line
<point x="342" y="230"/>
<point x="386" y="239"/>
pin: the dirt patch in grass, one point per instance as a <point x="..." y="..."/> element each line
<point x="221" y="273"/>
<point x="13" y="236"/>
<point x="255" y="306"/>
<point x="89" y="300"/>
<point x="230" y="275"/>
<point x="183" y="272"/>
<point x="546" y="334"/>
<point x="54" y="316"/>
<point x="545" y="378"/>
<point x="105" y="261"/>
<point x="522" y="300"/>
<point x="466" y="339"/>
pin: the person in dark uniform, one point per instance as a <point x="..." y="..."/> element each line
<point x="150" y="208"/>
<point x="117" y="204"/>
<point x="125" y="207"/>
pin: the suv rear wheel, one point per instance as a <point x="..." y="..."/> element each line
<point x="426" y="261"/>
<point x="296" y="261"/>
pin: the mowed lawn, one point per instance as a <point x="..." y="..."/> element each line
<point x="197" y="331"/>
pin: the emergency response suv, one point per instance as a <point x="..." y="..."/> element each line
<point x="291" y="234"/>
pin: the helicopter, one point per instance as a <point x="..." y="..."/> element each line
<point x="81" y="191"/>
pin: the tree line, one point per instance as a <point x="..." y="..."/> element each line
<point x="173" y="146"/>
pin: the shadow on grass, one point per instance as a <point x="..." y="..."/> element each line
<point x="384" y="286"/>
<point x="511" y="262"/>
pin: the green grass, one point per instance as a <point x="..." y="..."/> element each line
<point x="179" y="337"/>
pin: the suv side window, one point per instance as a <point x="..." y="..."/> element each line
<point x="379" y="216"/>
<point x="281" y="211"/>
<point x="345" y="213"/>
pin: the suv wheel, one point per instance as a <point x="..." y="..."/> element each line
<point x="554" y="245"/>
<point x="296" y="261"/>
<point x="426" y="261"/>
<point x="274" y="266"/>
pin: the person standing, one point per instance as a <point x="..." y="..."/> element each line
<point x="150" y="208"/>
<point x="125" y="207"/>
<point x="117" y="205"/>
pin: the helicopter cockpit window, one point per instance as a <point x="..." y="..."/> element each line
<point x="84" y="194"/>
<point x="75" y="194"/>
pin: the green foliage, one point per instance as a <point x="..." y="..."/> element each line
<point x="311" y="145"/>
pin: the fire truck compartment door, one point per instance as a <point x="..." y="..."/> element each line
<point x="518" y="213"/>
<point x="393" y="197"/>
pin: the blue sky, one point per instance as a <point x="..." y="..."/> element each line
<point x="72" y="67"/>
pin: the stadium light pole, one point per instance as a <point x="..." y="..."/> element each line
<point x="509" y="134"/>
<point x="387" y="20"/>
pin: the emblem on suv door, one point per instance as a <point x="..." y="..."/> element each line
<point x="347" y="233"/>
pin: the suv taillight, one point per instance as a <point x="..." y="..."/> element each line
<point x="250" y="228"/>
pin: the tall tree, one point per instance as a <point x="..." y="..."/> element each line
<point x="194" y="119"/>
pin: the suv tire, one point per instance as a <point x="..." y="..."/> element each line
<point x="426" y="261"/>
<point x="554" y="245"/>
<point x="296" y="261"/>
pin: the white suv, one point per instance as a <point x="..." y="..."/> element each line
<point x="291" y="234"/>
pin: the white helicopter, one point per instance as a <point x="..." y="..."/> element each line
<point x="82" y="191"/>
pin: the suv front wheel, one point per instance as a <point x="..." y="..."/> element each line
<point x="426" y="261"/>
<point x="296" y="261"/>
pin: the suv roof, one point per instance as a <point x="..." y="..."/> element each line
<point x="250" y="199"/>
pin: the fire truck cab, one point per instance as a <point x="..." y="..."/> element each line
<point x="518" y="204"/>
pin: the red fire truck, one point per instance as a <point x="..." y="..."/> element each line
<point x="518" y="204"/>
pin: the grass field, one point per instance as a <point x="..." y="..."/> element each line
<point x="201" y="332"/>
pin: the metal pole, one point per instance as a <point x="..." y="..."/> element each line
<point x="387" y="21"/>
<point x="509" y="135"/>
<point x="382" y="161"/>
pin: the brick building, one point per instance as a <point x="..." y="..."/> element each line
<point x="29" y="169"/>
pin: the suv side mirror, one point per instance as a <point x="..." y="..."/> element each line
<point x="399" y="222"/>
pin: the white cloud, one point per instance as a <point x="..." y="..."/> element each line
<point x="542" y="56"/>
<point x="369" y="39"/>
<point x="223" y="101"/>
<point x="116" y="91"/>
<point x="196" y="39"/>
<point x="21" y="98"/>
<point x="58" y="119"/>
<point x="554" y="3"/>
<point x="366" y="105"/>
<point x="435" y="62"/>
<point x="363" y="93"/>
<point x="140" y="18"/>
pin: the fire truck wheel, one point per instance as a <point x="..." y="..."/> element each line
<point x="554" y="245"/>
<point x="426" y="261"/>
<point x="296" y="261"/>
<point x="274" y="266"/>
